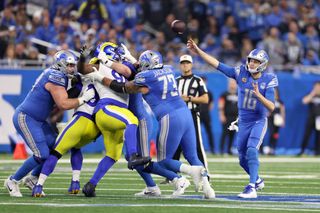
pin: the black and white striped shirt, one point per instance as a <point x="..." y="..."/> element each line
<point x="191" y="85"/>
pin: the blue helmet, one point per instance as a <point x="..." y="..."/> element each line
<point x="66" y="61"/>
<point x="259" y="55"/>
<point x="150" y="60"/>
<point x="113" y="51"/>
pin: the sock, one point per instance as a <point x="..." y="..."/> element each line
<point x="146" y="176"/>
<point x="42" y="179"/>
<point x="130" y="139"/>
<point x="170" y="164"/>
<point x="49" y="165"/>
<point x="26" y="167"/>
<point x="105" y="164"/>
<point x="76" y="175"/>
<point x="253" y="164"/>
<point x="157" y="169"/>
<point x="76" y="159"/>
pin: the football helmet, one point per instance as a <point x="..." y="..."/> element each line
<point x="259" y="55"/>
<point x="113" y="51"/>
<point x="66" y="62"/>
<point x="150" y="60"/>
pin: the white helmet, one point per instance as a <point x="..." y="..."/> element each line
<point x="259" y="55"/>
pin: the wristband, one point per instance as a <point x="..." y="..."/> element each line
<point x="189" y="98"/>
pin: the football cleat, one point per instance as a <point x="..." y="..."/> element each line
<point x="153" y="191"/>
<point x="248" y="192"/>
<point x="74" y="187"/>
<point x="208" y="192"/>
<point x="136" y="160"/>
<point x="89" y="190"/>
<point x="196" y="174"/>
<point x="12" y="187"/>
<point x="259" y="184"/>
<point x="37" y="191"/>
<point x="180" y="184"/>
<point x="30" y="181"/>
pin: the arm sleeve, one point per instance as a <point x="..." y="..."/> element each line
<point x="227" y="70"/>
<point x="140" y="80"/>
<point x="58" y="79"/>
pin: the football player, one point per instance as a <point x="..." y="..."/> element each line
<point x="255" y="98"/>
<point x="30" y="121"/>
<point x="158" y="86"/>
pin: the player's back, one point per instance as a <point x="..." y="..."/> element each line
<point x="39" y="102"/>
<point x="163" y="96"/>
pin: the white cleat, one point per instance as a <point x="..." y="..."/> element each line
<point x="12" y="187"/>
<point x="248" y="192"/>
<point x="208" y="192"/>
<point x="196" y="174"/>
<point x="259" y="184"/>
<point x="30" y="181"/>
<point x="153" y="191"/>
<point x="180" y="184"/>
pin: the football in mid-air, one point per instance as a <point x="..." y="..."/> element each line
<point x="178" y="26"/>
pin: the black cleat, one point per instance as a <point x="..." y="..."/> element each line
<point x="89" y="190"/>
<point x="136" y="160"/>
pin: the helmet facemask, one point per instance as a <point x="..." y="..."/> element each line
<point x="259" y="55"/>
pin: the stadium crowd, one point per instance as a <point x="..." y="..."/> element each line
<point x="289" y="29"/>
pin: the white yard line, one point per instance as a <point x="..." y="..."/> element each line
<point x="213" y="160"/>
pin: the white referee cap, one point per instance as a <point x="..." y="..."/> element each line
<point x="186" y="58"/>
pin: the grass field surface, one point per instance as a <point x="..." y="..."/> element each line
<point x="292" y="185"/>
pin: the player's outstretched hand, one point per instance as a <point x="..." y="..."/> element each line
<point x="128" y="55"/>
<point x="191" y="44"/>
<point x="86" y="51"/>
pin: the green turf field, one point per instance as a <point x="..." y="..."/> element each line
<point x="292" y="185"/>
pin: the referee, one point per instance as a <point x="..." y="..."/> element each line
<point x="194" y="92"/>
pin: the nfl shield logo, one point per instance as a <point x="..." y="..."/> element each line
<point x="244" y="80"/>
<point x="263" y="85"/>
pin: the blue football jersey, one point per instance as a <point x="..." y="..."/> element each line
<point x="163" y="96"/>
<point x="250" y="108"/>
<point x="39" y="102"/>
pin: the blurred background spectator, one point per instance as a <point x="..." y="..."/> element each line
<point x="288" y="30"/>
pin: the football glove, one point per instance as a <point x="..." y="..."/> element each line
<point x="127" y="55"/>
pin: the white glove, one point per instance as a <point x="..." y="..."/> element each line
<point x="233" y="126"/>
<point x="94" y="76"/>
<point x="87" y="96"/>
<point x="128" y="55"/>
<point x="104" y="59"/>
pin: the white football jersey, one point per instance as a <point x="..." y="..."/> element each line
<point x="89" y="106"/>
<point x="106" y="92"/>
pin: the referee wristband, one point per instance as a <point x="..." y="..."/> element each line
<point x="189" y="98"/>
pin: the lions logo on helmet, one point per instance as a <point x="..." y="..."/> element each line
<point x="66" y="62"/>
<point x="112" y="50"/>
<point x="150" y="60"/>
<point x="259" y="55"/>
